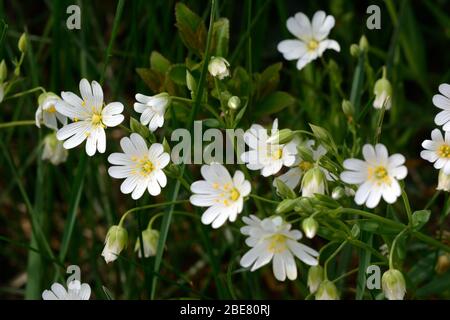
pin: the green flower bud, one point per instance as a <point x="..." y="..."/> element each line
<point x="150" y="240"/>
<point x="116" y="241"/>
<point x="383" y="94"/>
<point x="283" y="190"/>
<point x="314" y="181"/>
<point x="337" y="193"/>
<point x="443" y="264"/>
<point x="234" y="103"/>
<point x="315" y="278"/>
<point x="190" y="81"/>
<point x="310" y="226"/>
<point x="3" y="71"/>
<point x="393" y="284"/>
<point x="327" y="291"/>
<point x="286" y="205"/>
<point x="354" y="50"/>
<point x="22" y="44"/>
<point x="363" y="43"/>
<point x="347" y="108"/>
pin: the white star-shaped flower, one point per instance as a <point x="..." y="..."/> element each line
<point x="442" y="101"/>
<point x="220" y="192"/>
<point x="272" y="239"/>
<point x="140" y="166"/>
<point x="152" y="109"/>
<point x="90" y="117"/>
<point x="46" y="112"/>
<point x="312" y="38"/>
<point x="437" y="150"/>
<point x="377" y="176"/>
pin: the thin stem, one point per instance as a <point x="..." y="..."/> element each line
<point x="23" y="93"/>
<point x="149" y="206"/>
<point x="407" y="206"/>
<point x="369" y="215"/>
<point x="394" y="244"/>
<point x="325" y="265"/>
<point x="263" y="199"/>
<point x="433" y="198"/>
<point x="17" y="123"/>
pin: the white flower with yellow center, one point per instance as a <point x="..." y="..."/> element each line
<point x="442" y="101"/>
<point x="377" y="176"/>
<point x="152" y="109"/>
<point x="75" y="291"/>
<point x="293" y="176"/>
<point x="312" y="38"/>
<point x="220" y="192"/>
<point x="90" y="117"/>
<point x="272" y="239"/>
<point x="46" y="112"/>
<point x="140" y="166"/>
<point x="437" y="150"/>
<point x="265" y="153"/>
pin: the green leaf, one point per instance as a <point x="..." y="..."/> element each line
<point x="420" y="218"/>
<point x="268" y="80"/>
<point x="283" y="190"/>
<point x="220" y="37"/>
<point x="158" y="62"/>
<point x="191" y="28"/>
<point x="274" y="103"/>
<point x="139" y="128"/>
<point x="177" y="73"/>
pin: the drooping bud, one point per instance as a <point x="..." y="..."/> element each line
<point x="22" y="44"/>
<point x="383" y="92"/>
<point x="393" y="284"/>
<point x="347" y="108"/>
<point x="116" y="241"/>
<point x="310" y="226"/>
<point x="150" y="239"/>
<point x="354" y="50"/>
<point x="218" y="67"/>
<point x="327" y="291"/>
<point x="443" y="181"/>
<point x="54" y="150"/>
<point x="314" y="181"/>
<point x="315" y="278"/>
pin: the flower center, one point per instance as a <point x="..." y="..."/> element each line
<point x="312" y="45"/>
<point x="277" y="154"/>
<point x="444" y="151"/>
<point x="277" y="243"/>
<point x="146" y="167"/>
<point x="97" y="120"/>
<point x="234" y="194"/>
<point x="379" y="174"/>
<point x="51" y="109"/>
<point x="305" y="165"/>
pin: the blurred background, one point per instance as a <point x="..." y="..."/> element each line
<point x="412" y="43"/>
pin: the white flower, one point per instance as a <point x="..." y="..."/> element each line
<point x="54" y="150"/>
<point x="383" y="94"/>
<point x="222" y="194"/>
<point x="75" y="291"/>
<point x="46" y="112"/>
<point x="443" y="181"/>
<point x="393" y="284"/>
<point x="218" y="67"/>
<point x="312" y="38"/>
<point x="376" y="176"/>
<point x="293" y="176"/>
<point x="265" y="153"/>
<point x="437" y="150"/>
<point x="152" y="109"/>
<point x="140" y="166"/>
<point x="442" y="101"/>
<point x="272" y="238"/>
<point x="116" y="240"/>
<point x="150" y="239"/>
<point x="90" y="117"/>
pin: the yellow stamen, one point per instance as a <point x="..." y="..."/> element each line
<point x="277" y="243"/>
<point x="51" y="109"/>
<point x="312" y="45"/>
<point x="234" y="194"/>
<point x="305" y="165"/>
<point x="444" y="151"/>
<point x="277" y="154"/>
<point x="379" y="174"/>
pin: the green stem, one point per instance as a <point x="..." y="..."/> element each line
<point x="325" y="265"/>
<point x="254" y="196"/>
<point x="23" y="93"/>
<point x="149" y="206"/>
<point x="394" y="244"/>
<point x="369" y="215"/>
<point x="17" y="123"/>
<point x="407" y="206"/>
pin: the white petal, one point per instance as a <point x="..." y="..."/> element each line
<point x="374" y="198"/>
<point x="300" y="26"/>
<point x="363" y="192"/>
<point x="279" y="270"/>
<point x="292" y="49"/>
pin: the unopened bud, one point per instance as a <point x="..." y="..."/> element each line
<point x="315" y="278"/>
<point x="393" y="284"/>
<point x="310" y="226"/>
